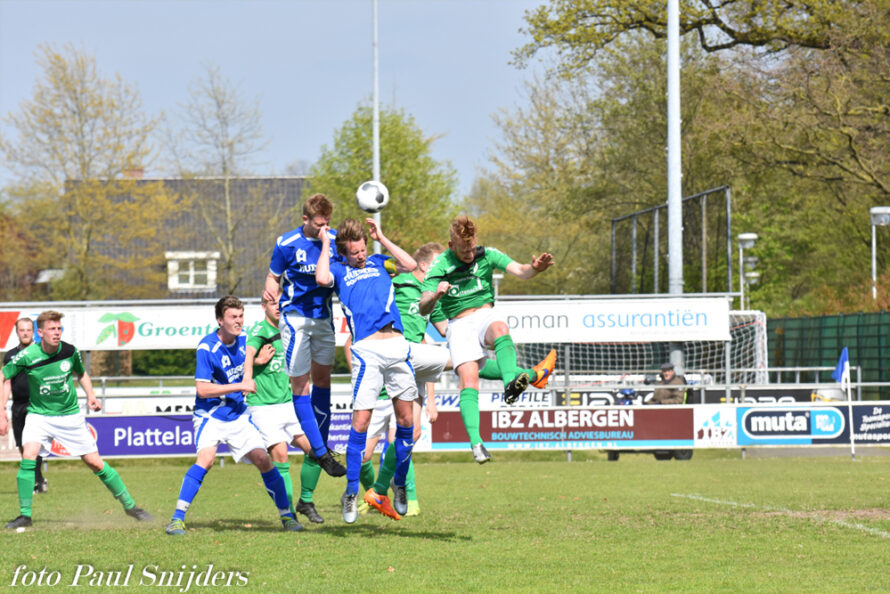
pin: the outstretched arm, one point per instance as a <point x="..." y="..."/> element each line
<point x="404" y="261"/>
<point x="527" y="271"/>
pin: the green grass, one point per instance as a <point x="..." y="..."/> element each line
<point x="528" y="522"/>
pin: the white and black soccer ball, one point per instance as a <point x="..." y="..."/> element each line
<point x="372" y="196"/>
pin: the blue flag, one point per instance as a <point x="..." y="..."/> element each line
<point x="842" y="371"/>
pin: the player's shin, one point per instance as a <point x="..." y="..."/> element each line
<point x="275" y="488"/>
<point x="505" y="352"/>
<point x="354" y="451"/>
<point x="113" y="483"/>
<point x="403" y="446"/>
<point x="191" y="483"/>
<point x="25" y="483"/>
<point x="469" y="412"/>
<point x="306" y="416"/>
<point x="387" y="470"/>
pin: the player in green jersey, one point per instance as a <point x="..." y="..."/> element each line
<point x="461" y="280"/>
<point x="54" y="413"/>
<point x="270" y="405"/>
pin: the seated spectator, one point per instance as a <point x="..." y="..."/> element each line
<point x="673" y="395"/>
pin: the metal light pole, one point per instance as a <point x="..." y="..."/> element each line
<point x="746" y="241"/>
<point x="880" y="216"/>
<point x="376" y="122"/>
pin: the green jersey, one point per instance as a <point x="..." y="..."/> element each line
<point x="471" y="283"/>
<point x="272" y="384"/>
<point x="50" y="378"/>
<point x="408" y="291"/>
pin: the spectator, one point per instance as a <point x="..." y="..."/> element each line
<point x="674" y="395"/>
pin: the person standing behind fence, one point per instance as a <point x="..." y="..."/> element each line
<point x="24" y="330"/>
<point x="54" y="413"/>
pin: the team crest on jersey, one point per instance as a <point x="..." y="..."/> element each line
<point x="65" y="365"/>
<point x="226" y="362"/>
<point x="300" y="256"/>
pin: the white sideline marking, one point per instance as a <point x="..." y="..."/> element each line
<point x="782" y="510"/>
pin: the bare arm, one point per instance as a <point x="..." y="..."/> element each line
<point x="527" y="271"/>
<point x="87" y="384"/>
<point x="271" y="290"/>
<point x="404" y="261"/>
<point x="323" y="275"/>
<point x="211" y="390"/>
<point x="429" y="299"/>
<point x="267" y="351"/>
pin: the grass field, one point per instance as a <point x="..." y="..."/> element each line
<point x="528" y="522"/>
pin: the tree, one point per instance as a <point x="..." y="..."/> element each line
<point x="797" y="121"/>
<point x="71" y="146"/>
<point x="221" y="136"/>
<point x="420" y="188"/>
<point x="579" y="29"/>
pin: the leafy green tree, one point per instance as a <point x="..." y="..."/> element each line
<point x="421" y="189"/>
<point x="71" y="146"/>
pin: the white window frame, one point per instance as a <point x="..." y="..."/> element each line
<point x="178" y="262"/>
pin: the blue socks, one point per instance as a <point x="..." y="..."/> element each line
<point x="277" y="491"/>
<point x="194" y="476"/>
<point x="303" y="408"/>
<point x="354" y="451"/>
<point x="321" y="402"/>
<point x="403" y="445"/>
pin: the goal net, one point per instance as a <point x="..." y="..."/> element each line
<point x="747" y="355"/>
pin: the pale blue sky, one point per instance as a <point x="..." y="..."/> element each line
<point x="308" y="61"/>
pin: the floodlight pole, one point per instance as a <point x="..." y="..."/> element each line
<point x="376" y="121"/>
<point x="675" y="171"/>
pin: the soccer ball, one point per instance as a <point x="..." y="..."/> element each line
<point x="372" y="196"/>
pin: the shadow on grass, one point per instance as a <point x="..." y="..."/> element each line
<point x="376" y="531"/>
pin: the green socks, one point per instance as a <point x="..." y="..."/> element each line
<point x="366" y="475"/>
<point x="284" y="471"/>
<point x="410" y="485"/>
<point x="505" y="353"/>
<point x="310" y="472"/>
<point x="492" y="371"/>
<point x="469" y="411"/>
<point x="25" y="481"/>
<point x="387" y="470"/>
<point x="113" y="483"/>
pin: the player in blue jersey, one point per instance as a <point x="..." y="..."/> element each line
<point x="221" y="415"/>
<point x="307" y="335"/>
<point x="380" y="354"/>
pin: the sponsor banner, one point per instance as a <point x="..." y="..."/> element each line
<point x="614" y="427"/>
<point x="715" y="426"/>
<point x="618" y="320"/>
<point x="157" y="435"/>
<point x="173" y="326"/>
<point x="181" y="326"/>
<point x="752" y="396"/>
<point x="871" y="423"/>
<point x="798" y="425"/>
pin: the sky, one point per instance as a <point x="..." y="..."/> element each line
<point x="308" y="62"/>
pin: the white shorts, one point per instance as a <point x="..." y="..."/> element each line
<point x="306" y="340"/>
<point x="276" y="422"/>
<point x="466" y="336"/>
<point x="429" y="362"/>
<point x="69" y="430"/>
<point x="381" y="419"/>
<point x="376" y="363"/>
<point x="241" y="435"/>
